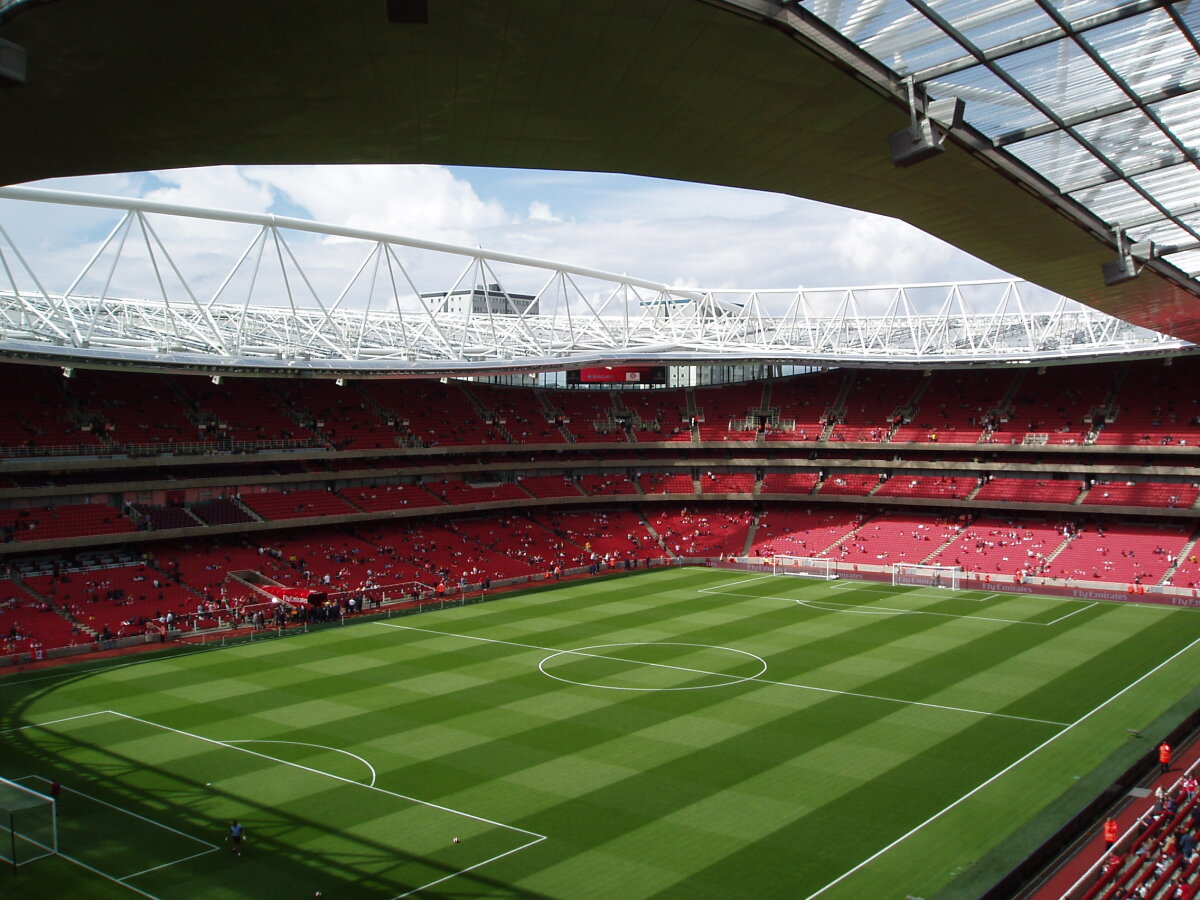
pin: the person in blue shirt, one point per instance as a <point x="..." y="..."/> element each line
<point x="236" y="833"/>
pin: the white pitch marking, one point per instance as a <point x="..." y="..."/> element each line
<point x="370" y="767"/>
<point x="154" y="822"/>
<point x="284" y="762"/>
<point x="937" y="815"/>
<point x="417" y="890"/>
<point x="98" y="712"/>
<point x="756" y="680"/>
<point x="582" y="651"/>
<point x="173" y="862"/>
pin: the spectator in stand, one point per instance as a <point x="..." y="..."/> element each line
<point x="1164" y="757"/>
<point x="1111" y="830"/>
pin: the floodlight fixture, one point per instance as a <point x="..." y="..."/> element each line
<point x="921" y="139"/>
<point x="68" y="372"/>
<point x="1126" y="266"/>
<point x="216" y="379"/>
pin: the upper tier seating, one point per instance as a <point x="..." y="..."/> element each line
<point x="220" y="512"/>
<point x="244" y="409"/>
<point x="954" y="406"/>
<point x="590" y="415"/>
<point x="1055" y="403"/>
<point x="724" y="410"/>
<point x="141" y="410"/>
<point x="1157" y="405"/>
<point x="660" y="414"/>
<point x="342" y="414"/>
<point x="437" y="415"/>
<point x="457" y="491"/>
<point x="520" y="413"/>
<point x="39" y="413"/>
<point x="802" y="402"/>
<point x="871" y="405"/>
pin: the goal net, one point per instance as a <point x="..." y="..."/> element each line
<point x="948" y="577"/>
<point x="807" y="566"/>
<point x="28" y="824"/>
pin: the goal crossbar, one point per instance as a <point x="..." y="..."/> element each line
<point x="945" y="577"/>
<point x="805" y="567"/>
<point x="28" y="824"/>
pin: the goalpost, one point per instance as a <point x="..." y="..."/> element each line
<point x="805" y="566"/>
<point x="948" y="577"/>
<point x="28" y="824"/>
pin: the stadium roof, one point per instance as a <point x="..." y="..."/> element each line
<point x="1074" y="139"/>
<point x="291" y="296"/>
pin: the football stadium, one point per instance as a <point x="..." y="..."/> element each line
<point x="341" y="563"/>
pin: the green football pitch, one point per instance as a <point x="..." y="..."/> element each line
<point x="688" y="733"/>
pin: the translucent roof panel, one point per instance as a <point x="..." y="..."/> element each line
<point x="1099" y="97"/>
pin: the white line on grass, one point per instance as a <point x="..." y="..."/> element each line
<point x="121" y="809"/>
<point x="1071" y="613"/>
<point x="98" y="712"/>
<point x="738" y="679"/>
<point x="367" y="787"/>
<point x="937" y="815"/>
<point x="537" y="838"/>
<point x="319" y="747"/>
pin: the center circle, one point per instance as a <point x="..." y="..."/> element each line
<point x="670" y="662"/>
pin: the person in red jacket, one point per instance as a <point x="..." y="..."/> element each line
<point x="1164" y="757"/>
<point x="1111" y="830"/>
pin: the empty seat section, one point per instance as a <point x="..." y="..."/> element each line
<point x="432" y="414"/>
<point x="615" y="534"/>
<point x="724" y="410"/>
<point x="801" y="403"/>
<point x="727" y="482"/>
<point x="139" y="410"/>
<point x="220" y="512"/>
<point x="789" y="482"/>
<point x="851" y="483"/>
<point x="659" y="415"/>
<point x="992" y="545"/>
<point x="550" y="486"/>
<point x="51" y="523"/>
<point x="874" y="403"/>
<point x="1142" y="493"/>
<point x="666" y="483"/>
<point x="520" y="413"/>
<point x="1029" y="490"/>
<point x="342" y="414"/>
<point x="954" y="407"/>
<point x="607" y="483"/>
<point x="242" y="409"/>
<point x="897" y="538"/>
<point x="941" y="487"/>
<point x="589" y="415"/>
<point x="383" y="497"/>
<point x="38" y="412"/>
<point x="1055" y="403"/>
<point x="457" y="491"/>
<point x="1156" y="405"/>
<point x="297" y="504"/>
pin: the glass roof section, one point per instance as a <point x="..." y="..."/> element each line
<point x="1099" y="97"/>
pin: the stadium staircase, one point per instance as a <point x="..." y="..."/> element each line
<point x="1002" y="410"/>
<point x="836" y="411"/>
<point x="554" y="415"/>
<point x="624" y="414"/>
<point x="974" y="491"/>
<point x="950" y="540"/>
<point x="1184" y="551"/>
<point x="845" y="537"/>
<point x="56" y="608"/>
<point x="693" y="414"/>
<point x="1059" y="549"/>
<point x="666" y="548"/>
<point x="1081" y="496"/>
<point x="907" y="412"/>
<point x="874" y="490"/>
<point x="484" y="414"/>
<point x="751" y="531"/>
<point x="389" y="417"/>
<point x="1109" y="410"/>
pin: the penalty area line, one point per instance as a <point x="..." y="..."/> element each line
<point x="975" y="790"/>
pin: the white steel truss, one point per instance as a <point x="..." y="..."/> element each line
<point x="373" y="304"/>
